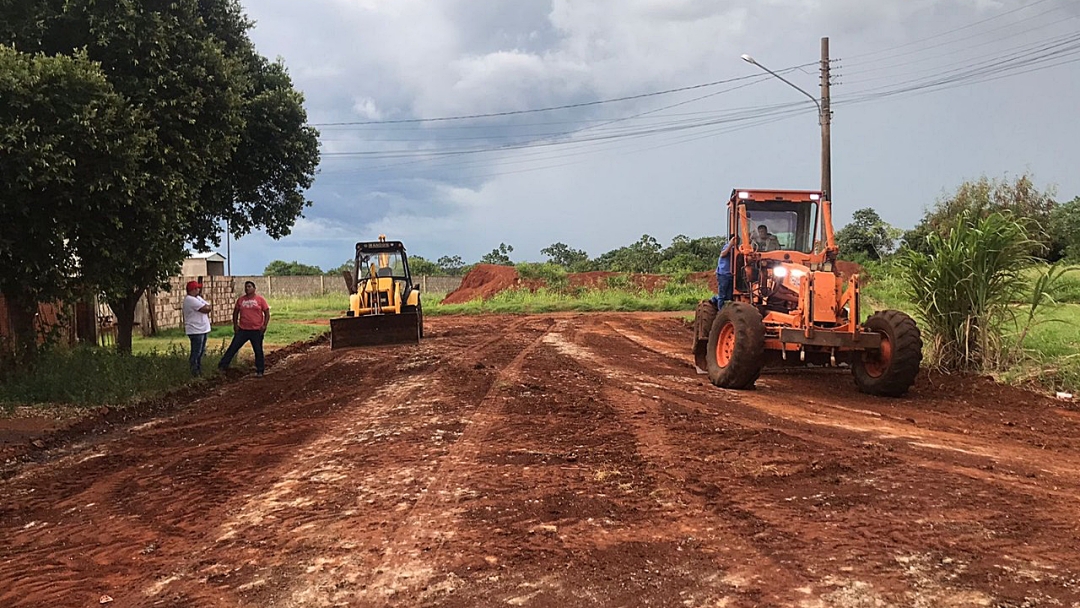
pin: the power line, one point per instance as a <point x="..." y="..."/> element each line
<point x="548" y="109"/>
<point x="951" y="31"/>
<point x="997" y="39"/>
<point x="678" y="129"/>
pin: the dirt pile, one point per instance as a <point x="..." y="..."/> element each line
<point x="483" y="281"/>
<point x="846" y="269"/>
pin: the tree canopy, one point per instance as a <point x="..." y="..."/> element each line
<point x="499" y="256"/>
<point x="281" y="268"/>
<point x="867" y="236"/>
<point x="561" y="254"/>
<point x="214" y="133"/>
<point x="68" y="142"/>
<point x="1018" y="198"/>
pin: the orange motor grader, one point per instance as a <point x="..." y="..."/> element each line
<point x="792" y="306"/>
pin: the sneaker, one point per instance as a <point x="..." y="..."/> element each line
<point x="258" y="374"/>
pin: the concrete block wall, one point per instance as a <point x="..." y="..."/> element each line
<point x="298" y="287"/>
<point x="168" y="309"/>
<point x="223" y="291"/>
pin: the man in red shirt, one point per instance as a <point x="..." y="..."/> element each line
<point x="250" y="317"/>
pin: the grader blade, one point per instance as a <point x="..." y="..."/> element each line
<point x="375" y="330"/>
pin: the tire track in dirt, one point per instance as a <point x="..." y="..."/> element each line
<point x="372" y="456"/>
<point x="922" y="442"/>
<point x="846" y="428"/>
<point x="418" y="539"/>
<point x="640" y="407"/>
<point x="566" y="484"/>
<point x="190" y="473"/>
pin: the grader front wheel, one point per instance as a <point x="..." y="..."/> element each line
<point x="736" y="348"/>
<point x="890" y="371"/>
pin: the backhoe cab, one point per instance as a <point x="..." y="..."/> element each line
<point x="792" y="306"/>
<point x="384" y="304"/>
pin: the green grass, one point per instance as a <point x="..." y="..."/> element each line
<point x="1051" y="351"/>
<point x="673" y="297"/>
<point x="86" y="376"/>
<point x="280" y="333"/>
<point x="309" y="308"/>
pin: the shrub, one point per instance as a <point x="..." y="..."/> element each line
<point x="962" y="290"/>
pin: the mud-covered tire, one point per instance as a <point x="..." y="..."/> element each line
<point x="736" y="348"/>
<point x="420" y="314"/>
<point x="419" y="310"/>
<point x="890" y="371"/>
<point x="703" y="322"/>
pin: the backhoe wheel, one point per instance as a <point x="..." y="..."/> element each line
<point x="419" y="310"/>
<point x="736" y="351"/>
<point x="703" y="322"/>
<point x="890" y="371"/>
<point x="420" y="314"/>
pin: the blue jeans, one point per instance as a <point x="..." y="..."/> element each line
<point x="242" y="336"/>
<point x="198" y="347"/>
<point x="725" y="284"/>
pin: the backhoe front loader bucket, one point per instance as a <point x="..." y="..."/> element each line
<point x="375" y="330"/>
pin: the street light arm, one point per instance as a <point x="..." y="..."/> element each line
<point x="750" y="59"/>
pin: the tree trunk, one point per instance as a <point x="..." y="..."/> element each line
<point x="22" y="310"/>
<point x="125" y="319"/>
<point x="151" y="305"/>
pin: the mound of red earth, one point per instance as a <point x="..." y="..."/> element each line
<point x="486" y="280"/>
<point x="483" y="281"/>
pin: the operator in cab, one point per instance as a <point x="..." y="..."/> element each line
<point x="763" y="240"/>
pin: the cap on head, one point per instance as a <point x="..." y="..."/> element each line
<point x="252" y="283"/>
<point x="193" y="285"/>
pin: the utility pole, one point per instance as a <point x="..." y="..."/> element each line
<point x="826" y="122"/>
<point x="228" y="250"/>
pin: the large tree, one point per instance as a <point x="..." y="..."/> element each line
<point x="641" y="257"/>
<point x="229" y="140"/>
<point x="451" y="265"/>
<point x="281" y="268"/>
<point x="69" y="148"/>
<point x="1065" y="231"/>
<point x="1018" y="198"/>
<point x="569" y="258"/>
<point x="866" y="236"/>
<point x="499" y="256"/>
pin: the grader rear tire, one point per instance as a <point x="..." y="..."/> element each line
<point x="891" y="371"/>
<point x="736" y="349"/>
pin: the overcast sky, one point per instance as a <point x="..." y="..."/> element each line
<point x="927" y="94"/>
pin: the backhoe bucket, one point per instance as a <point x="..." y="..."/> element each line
<point x="375" y="330"/>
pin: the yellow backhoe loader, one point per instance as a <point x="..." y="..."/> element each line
<point x="384" y="304"/>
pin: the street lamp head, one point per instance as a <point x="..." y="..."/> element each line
<point x="748" y="59"/>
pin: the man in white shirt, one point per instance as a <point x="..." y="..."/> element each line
<point x="196" y="325"/>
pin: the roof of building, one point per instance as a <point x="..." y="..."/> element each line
<point x="210" y="256"/>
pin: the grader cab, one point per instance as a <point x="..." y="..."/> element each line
<point x="791" y="305"/>
<point x="384" y="304"/>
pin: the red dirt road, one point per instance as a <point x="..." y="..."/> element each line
<point x="554" y="461"/>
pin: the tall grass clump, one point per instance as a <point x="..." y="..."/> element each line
<point x="88" y="376"/>
<point x="963" y="290"/>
